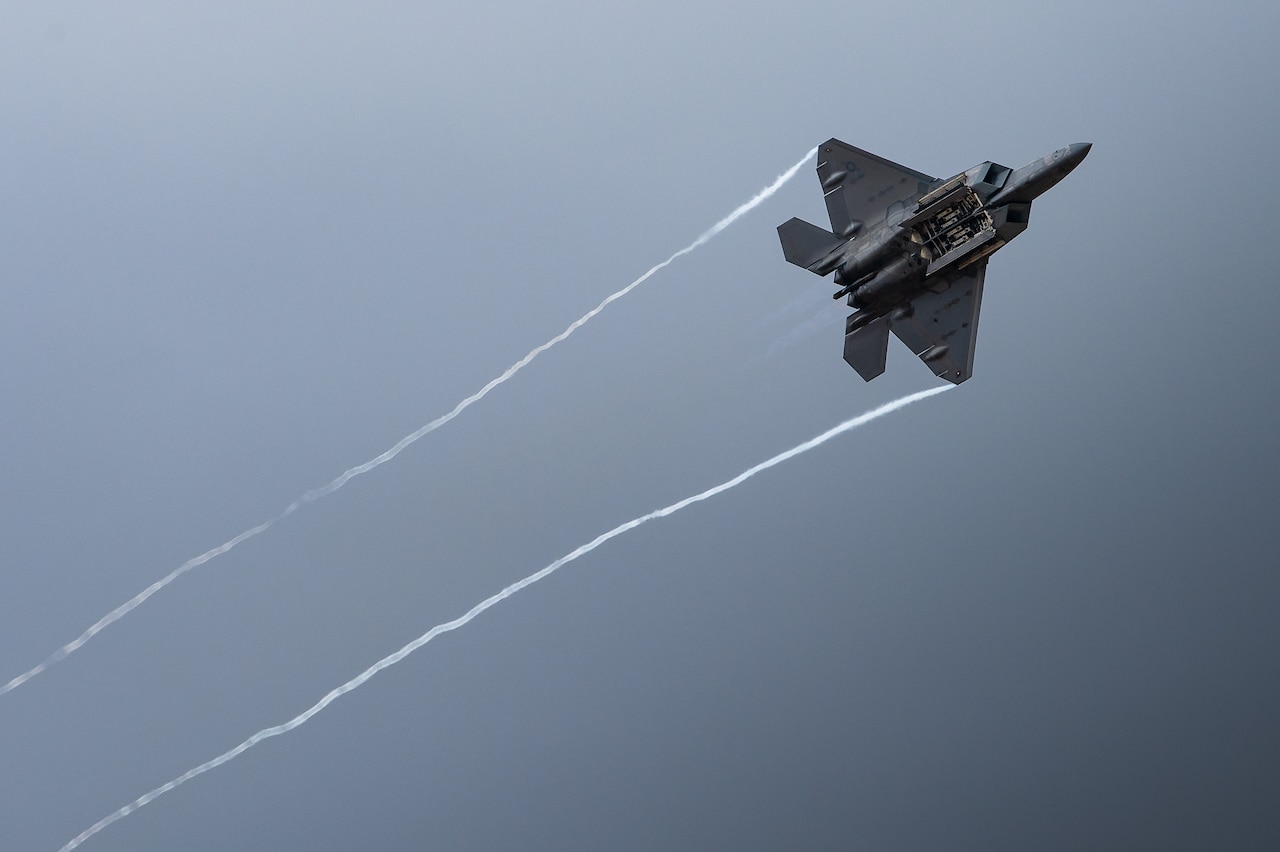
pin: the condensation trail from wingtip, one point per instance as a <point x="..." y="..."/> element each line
<point x="316" y="493"/>
<point x="462" y="620"/>
<point x="760" y="197"/>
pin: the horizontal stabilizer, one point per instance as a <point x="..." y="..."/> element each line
<point x="805" y="244"/>
<point x="866" y="346"/>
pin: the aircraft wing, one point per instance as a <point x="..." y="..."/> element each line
<point x="861" y="187"/>
<point x="941" y="327"/>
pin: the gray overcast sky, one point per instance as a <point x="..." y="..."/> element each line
<point x="249" y="245"/>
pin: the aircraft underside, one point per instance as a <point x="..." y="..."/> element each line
<point x="910" y="251"/>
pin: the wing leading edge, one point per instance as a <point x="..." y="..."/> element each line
<point x="942" y="327"/>
<point x="861" y="188"/>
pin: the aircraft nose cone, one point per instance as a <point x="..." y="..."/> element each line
<point x="1077" y="152"/>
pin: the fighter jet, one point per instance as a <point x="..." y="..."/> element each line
<point x="910" y="251"/>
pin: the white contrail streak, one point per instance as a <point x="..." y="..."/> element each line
<point x="387" y="662"/>
<point x="315" y="494"/>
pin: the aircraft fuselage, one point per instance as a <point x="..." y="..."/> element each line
<point x="901" y="239"/>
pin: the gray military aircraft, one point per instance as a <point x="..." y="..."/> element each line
<point x="910" y="251"/>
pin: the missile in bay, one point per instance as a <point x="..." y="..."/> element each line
<point x="910" y="251"/>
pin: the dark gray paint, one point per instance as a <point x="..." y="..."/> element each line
<point x="246" y="246"/>
<point x="910" y="251"/>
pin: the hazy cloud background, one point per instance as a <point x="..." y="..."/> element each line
<point x="247" y="246"/>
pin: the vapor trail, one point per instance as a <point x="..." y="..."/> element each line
<point x="315" y="494"/>
<point x="387" y="662"/>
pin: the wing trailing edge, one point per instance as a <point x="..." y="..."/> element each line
<point x="939" y="327"/>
